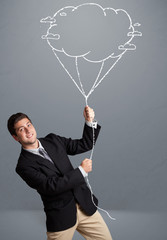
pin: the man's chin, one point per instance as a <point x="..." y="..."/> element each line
<point x="31" y="143"/>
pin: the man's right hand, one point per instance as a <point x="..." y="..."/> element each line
<point x="87" y="165"/>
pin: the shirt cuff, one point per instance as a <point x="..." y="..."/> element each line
<point x="92" y="124"/>
<point x="83" y="171"/>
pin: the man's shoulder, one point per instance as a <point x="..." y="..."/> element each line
<point x="52" y="138"/>
<point x="48" y="137"/>
<point x="24" y="158"/>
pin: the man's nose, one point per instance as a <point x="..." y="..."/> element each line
<point x="27" y="130"/>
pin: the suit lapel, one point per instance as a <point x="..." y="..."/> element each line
<point x="58" y="156"/>
<point x="56" y="153"/>
<point x="52" y="151"/>
<point x="40" y="160"/>
<point x="44" y="161"/>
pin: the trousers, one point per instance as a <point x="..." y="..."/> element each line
<point x="90" y="227"/>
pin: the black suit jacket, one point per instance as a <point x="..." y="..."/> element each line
<point x="59" y="185"/>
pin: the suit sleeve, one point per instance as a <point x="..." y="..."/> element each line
<point x="52" y="185"/>
<point x="77" y="146"/>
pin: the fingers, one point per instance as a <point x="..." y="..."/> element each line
<point x="87" y="165"/>
<point x="89" y="114"/>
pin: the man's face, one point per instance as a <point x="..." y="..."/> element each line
<point x="26" y="134"/>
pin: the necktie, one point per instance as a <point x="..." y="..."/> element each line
<point x="45" y="155"/>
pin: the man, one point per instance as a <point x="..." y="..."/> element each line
<point x="44" y="165"/>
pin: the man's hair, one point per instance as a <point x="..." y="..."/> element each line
<point x="13" y="120"/>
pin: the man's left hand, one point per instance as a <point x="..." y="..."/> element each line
<point x="88" y="114"/>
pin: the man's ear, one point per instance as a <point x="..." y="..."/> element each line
<point x="15" y="138"/>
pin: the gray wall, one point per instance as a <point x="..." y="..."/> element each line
<point x="130" y="158"/>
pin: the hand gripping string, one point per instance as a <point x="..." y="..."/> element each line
<point x="87" y="180"/>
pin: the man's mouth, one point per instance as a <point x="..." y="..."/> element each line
<point x="30" y="135"/>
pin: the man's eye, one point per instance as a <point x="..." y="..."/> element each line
<point x="29" y="125"/>
<point x="21" y="129"/>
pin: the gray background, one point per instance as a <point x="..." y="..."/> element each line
<point x="130" y="158"/>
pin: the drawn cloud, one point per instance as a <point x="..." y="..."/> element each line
<point x="51" y="36"/>
<point x="48" y="20"/>
<point x="127" y="46"/>
<point x="135" y="34"/>
<point x="90" y="31"/>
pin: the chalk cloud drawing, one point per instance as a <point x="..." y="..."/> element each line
<point x="91" y="33"/>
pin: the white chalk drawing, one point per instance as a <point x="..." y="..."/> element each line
<point x="93" y="33"/>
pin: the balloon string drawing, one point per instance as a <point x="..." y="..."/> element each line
<point x="93" y="34"/>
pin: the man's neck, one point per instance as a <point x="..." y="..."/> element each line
<point x="34" y="145"/>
